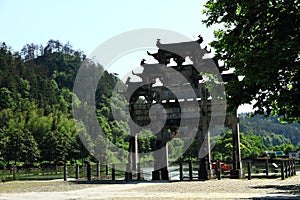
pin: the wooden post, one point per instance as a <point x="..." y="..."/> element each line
<point x="138" y="171"/>
<point x="106" y="169"/>
<point x="65" y="172"/>
<point x="113" y="172"/>
<point x="289" y="168"/>
<point x="294" y="161"/>
<point x="13" y="169"/>
<point x="191" y="170"/>
<point x="282" y="170"/>
<point x="218" y="167"/>
<point x="127" y="173"/>
<point x="98" y="170"/>
<point x="127" y="176"/>
<point x="286" y="169"/>
<point x="77" y="171"/>
<point x="180" y="171"/>
<point x="249" y="170"/>
<point x="267" y="167"/>
<point x="292" y="167"/>
<point x="88" y="172"/>
<point x="237" y="171"/>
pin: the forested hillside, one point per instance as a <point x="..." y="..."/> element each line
<point x="271" y="130"/>
<point x="36" y="122"/>
<point x="259" y="134"/>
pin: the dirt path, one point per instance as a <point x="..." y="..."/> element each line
<point x="213" y="189"/>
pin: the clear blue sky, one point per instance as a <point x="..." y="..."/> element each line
<point x="86" y="24"/>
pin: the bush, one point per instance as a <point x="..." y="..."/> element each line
<point x="2" y="164"/>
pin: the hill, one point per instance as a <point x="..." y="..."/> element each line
<point x="37" y="125"/>
<point x="270" y="129"/>
<point x="36" y="121"/>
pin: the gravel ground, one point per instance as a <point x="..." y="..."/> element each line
<point x="212" y="189"/>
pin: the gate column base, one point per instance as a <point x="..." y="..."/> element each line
<point x="164" y="172"/>
<point x="210" y="173"/>
<point x="156" y="175"/>
<point x="236" y="173"/>
<point x="161" y="174"/>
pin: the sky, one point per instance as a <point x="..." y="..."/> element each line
<point x="87" y="24"/>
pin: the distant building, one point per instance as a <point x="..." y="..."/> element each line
<point x="275" y="153"/>
<point x="279" y="153"/>
<point x="294" y="154"/>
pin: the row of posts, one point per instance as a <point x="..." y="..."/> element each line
<point x="287" y="169"/>
<point x="128" y="175"/>
<point x="190" y="171"/>
<point x="88" y="171"/>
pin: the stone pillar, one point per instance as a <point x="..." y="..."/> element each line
<point x="204" y="138"/>
<point x="133" y="159"/>
<point x="237" y="171"/>
<point x="161" y="171"/>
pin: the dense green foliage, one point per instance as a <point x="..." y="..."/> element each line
<point x="272" y="131"/>
<point x="259" y="134"/>
<point x="260" y="40"/>
<point x="36" y="122"/>
<point x="251" y="146"/>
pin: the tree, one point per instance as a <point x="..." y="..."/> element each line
<point x="261" y="41"/>
<point x="251" y="146"/>
<point x="57" y="144"/>
<point x="20" y="144"/>
<point x="6" y="99"/>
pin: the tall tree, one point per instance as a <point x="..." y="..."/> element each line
<point x="261" y="41"/>
<point x="251" y="146"/>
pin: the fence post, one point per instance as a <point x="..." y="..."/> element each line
<point x="14" y="170"/>
<point x="138" y="171"/>
<point x="65" y="172"/>
<point x="106" y="169"/>
<point x="286" y="169"/>
<point x="294" y="161"/>
<point x="282" y="170"/>
<point x="77" y="171"/>
<point x="218" y="169"/>
<point x="113" y="172"/>
<point x="292" y="167"/>
<point x="127" y="173"/>
<point x="289" y="168"/>
<point x="191" y="169"/>
<point x="98" y="170"/>
<point x="88" y="172"/>
<point x="267" y="167"/>
<point x="180" y="171"/>
<point x="249" y="170"/>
